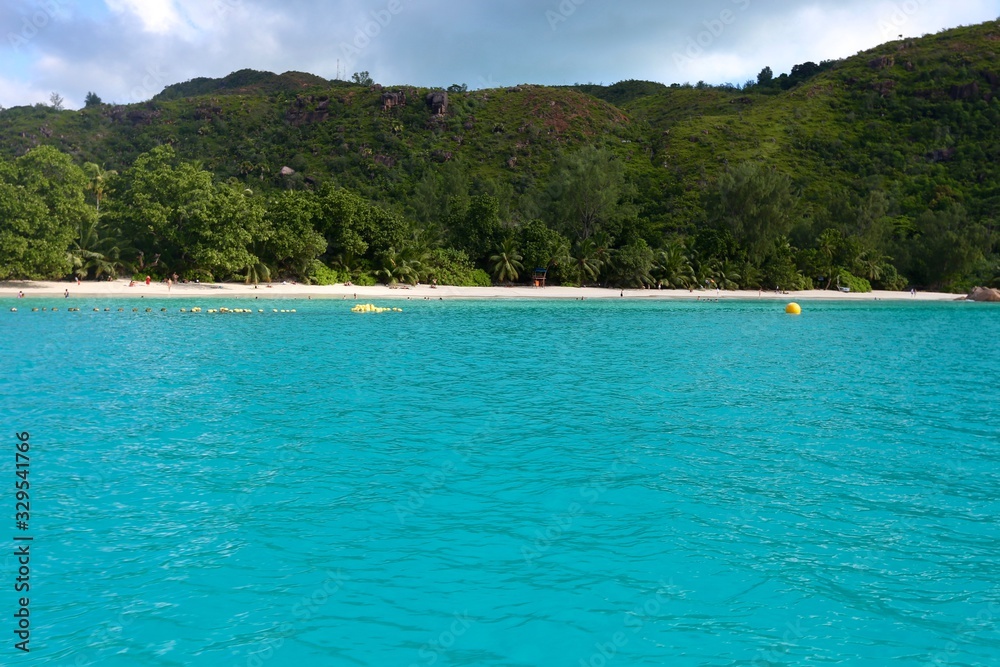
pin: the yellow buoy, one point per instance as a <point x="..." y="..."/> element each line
<point x="793" y="309"/>
<point x="13" y="310"/>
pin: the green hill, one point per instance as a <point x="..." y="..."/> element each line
<point x="890" y="156"/>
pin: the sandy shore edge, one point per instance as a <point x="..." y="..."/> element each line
<point x="120" y="289"/>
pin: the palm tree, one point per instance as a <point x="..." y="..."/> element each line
<point x="671" y="267"/>
<point x="506" y="263"/>
<point x="256" y="272"/>
<point x="585" y="260"/>
<point x="346" y="262"/>
<point x="98" y="180"/>
<point x="602" y="251"/>
<point x="872" y="264"/>
<point x="399" y="267"/>
<point x="92" y="253"/>
<point x="703" y="270"/>
<point x="827" y="245"/>
<point x="727" y="276"/>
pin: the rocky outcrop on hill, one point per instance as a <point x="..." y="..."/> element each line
<point x="985" y="294"/>
<point x="438" y="102"/>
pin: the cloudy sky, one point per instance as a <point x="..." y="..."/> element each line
<point x="128" y="50"/>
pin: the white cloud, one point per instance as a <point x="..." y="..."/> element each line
<point x="156" y="16"/>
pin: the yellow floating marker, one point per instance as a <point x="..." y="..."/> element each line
<point x="135" y="310"/>
<point x="13" y="310"/>
<point x="793" y="309"/>
<point x="55" y="310"/>
<point x="149" y="310"/>
<point x="121" y="310"/>
<point x="107" y="310"/>
<point x="372" y="308"/>
<point x="260" y="311"/>
<point x="34" y="310"/>
<point x="97" y="310"/>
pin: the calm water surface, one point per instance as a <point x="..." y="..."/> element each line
<point x="531" y="483"/>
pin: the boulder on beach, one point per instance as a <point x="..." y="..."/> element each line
<point x="985" y="294"/>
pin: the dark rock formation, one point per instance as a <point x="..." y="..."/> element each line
<point x="396" y="99"/>
<point x="884" y="88"/>
<point x="438" y="102"/>
<point x="882" y="63"/>
<point x="967" y="92"/>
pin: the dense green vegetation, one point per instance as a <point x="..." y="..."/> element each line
<point x="879" y="170"/>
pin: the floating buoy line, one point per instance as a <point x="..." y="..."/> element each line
<point x="213" y="311"/>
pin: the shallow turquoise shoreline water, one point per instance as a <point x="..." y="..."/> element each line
<point x="510" y="483"/>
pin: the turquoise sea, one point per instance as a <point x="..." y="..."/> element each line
<point x="505" y="483"/>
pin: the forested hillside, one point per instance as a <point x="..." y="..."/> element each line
<point x="880" y="169"/>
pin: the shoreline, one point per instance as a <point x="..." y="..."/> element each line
<point x="119" y="289"/>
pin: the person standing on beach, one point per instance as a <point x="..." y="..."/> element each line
<point x="148" y="280"/>
<point x="20" y="294"/>
<point x="66" y="294"/>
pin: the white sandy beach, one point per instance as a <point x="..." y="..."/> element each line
<point x="120" y="289"/>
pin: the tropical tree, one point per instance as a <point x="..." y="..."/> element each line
<point x="827" y="247"/>
<point x="94" y="254"/>
<point x="42" y="207"/>
<point x="257" y="272"/>
<point x="98" y="180"/>
<point x="755" y="204"/>
<point x="671" y="267"/>
<point x="633" y="263"/>
<point x="506" y="262"/>
<point x="727" y="276"/>
<point x="703" y="269"/>
<point x="872" y="265"/>
<point x="179" y="214"/>
<point x="584" y="259"/>
<point x="399" y="267"/>
<point x="585" y="190"/>
<point x="291" y="242"/>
